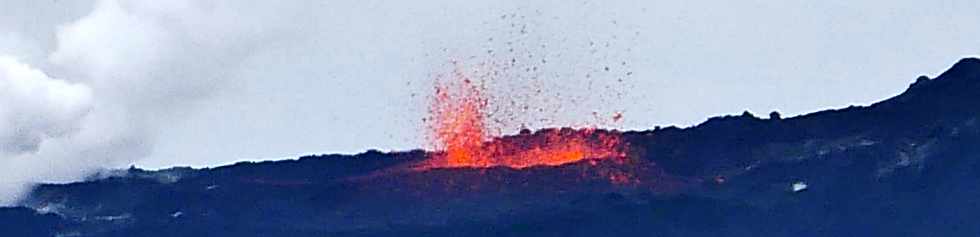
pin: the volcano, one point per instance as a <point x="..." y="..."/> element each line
<point x="905" y="166"/>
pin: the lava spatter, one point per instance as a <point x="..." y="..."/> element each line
<point x="523" y="79"/>
<point x="460" y="131"/>
<point x="458" y="113"/>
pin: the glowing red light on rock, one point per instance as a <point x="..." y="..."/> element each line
<point x="458" y="116"/>
<point x="458" y="122"/>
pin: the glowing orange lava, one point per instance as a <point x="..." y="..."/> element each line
<point x="459" y="129"/>
<point x="458" y="113"/>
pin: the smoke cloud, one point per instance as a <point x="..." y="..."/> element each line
<point x="123" y="70"/>
<point x="37" y="107"/>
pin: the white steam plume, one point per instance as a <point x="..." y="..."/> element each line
<point x="34" y="109"/>
<point x="129" y="67"/>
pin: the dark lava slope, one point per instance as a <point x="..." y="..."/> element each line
<point x="905" y="166"/>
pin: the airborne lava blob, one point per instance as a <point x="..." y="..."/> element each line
<point x="458" y="113"/>
<point x="459" y="128"/>
<point x="525" y="77"/>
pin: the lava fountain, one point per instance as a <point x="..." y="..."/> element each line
<point x="460" y="130"/>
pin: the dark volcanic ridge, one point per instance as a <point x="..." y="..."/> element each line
<point x="909" y="162"/>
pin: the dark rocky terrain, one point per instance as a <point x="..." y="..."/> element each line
<point x="905" y="166"/>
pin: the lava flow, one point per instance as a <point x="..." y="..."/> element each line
<point x="459" y="128"/>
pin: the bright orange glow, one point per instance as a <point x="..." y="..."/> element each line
<point x="459" y="129"/>
<point x="458" y="114"/>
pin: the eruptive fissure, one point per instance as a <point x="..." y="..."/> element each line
<point x="459" y="131"/>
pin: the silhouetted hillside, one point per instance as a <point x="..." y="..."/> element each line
<point x="905" y="166"/>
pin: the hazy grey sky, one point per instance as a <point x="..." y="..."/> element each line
<point x="343" y="88"/>
<point x="211" y="82"/>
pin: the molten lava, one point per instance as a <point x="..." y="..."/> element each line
<point x="459" y="128"/>
<point x="458" y="113"/>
